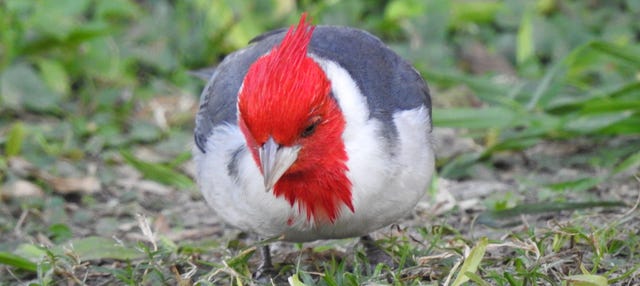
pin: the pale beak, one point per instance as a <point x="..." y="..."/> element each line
<point x="275" y="160"/>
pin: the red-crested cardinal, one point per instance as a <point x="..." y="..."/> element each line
<point x="318" y="132"/>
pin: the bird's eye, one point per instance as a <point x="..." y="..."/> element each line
<point x="310" y="129"/>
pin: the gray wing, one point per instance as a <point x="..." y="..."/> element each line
<point x="389" y="83"/>
<point x="218" y="101"/>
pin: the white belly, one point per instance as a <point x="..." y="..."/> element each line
<point x="385" y="187"/>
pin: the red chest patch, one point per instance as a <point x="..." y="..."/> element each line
<point x="319" y="193"/>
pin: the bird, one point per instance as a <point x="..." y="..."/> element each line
<point x="313" y="132"/>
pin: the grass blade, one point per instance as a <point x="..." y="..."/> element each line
<point x="17" y="262"/>
<point x="619" y="92"/>
<point x="472" y="262"/>
<point x="592" y="124"/>
<point x="587" y="280"/>
<point x="295" y="281"/>
<point x="473" y="118"/>
<point x="631" y="162"/>
<point x="96" y="248"/>
<point x="545" y="84"/>
<point x="158" y="172"/>
<point x="493" y="217"/>
<point x="242" y="258"/>
<point x="477" y="279"/>
<point x="625" y="53"/>
<point x="576" y="185"/>
<point x="525" y="48"/>
<point x="14" y="140"/>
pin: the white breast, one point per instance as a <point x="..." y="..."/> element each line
<point x="385" y="186"/>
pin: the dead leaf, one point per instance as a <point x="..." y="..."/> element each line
<point x="21" y="167"/>
<point x="61" y="185"/>
<point x="479" y="60"/>
<point x="21" y="189"/>
<point x="169" y="110"/>
<point x="85" y="185"/>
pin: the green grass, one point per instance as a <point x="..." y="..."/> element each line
<point x="547" y="93"/>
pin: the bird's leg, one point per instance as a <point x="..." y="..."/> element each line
<point x="265" y="252"/>
<point x="266" y="267"/>
<point x="375" y="254"/>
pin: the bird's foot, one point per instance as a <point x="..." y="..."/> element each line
<point x="375" y="254"/>
<point x="265" y="271"/>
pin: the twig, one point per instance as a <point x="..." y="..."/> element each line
<point x="23" y="216"/>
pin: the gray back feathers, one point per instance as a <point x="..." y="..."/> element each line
<point x="389" y="83"/>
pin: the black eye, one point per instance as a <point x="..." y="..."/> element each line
<point x="310" y="129"/>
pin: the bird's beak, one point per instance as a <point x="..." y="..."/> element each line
<point x="275" y="160"/>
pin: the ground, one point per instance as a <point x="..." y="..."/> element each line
<point x="549" y="244"/>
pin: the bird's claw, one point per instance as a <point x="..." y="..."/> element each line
<point x="265" y="273"/>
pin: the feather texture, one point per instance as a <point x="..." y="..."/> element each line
<point x="358" y="116"/>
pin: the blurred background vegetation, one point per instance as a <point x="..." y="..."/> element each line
<point x="81" y="79"/>
<point x="85" y="85"/>
<point x="76" y="75"/>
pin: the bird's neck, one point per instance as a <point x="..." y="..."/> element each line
<point x="321" y="191"/>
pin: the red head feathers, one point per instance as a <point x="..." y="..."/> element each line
<point x="286" y="97"/>
<point x="285" y="81"/>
